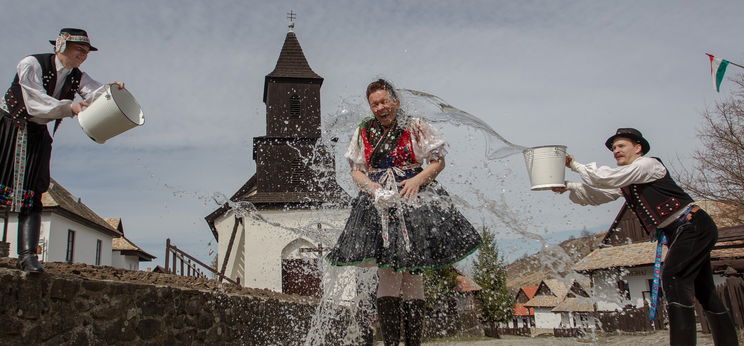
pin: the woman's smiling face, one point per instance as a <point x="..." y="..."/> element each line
<point x="384" y="107"/>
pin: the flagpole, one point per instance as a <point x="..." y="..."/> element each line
<point x="730" y="62"/>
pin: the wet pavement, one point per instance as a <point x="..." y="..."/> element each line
<point x="656" y="338"/>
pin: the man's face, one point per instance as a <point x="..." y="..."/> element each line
<point x="74" y="55"/>
<point x="626" y="151"/>
<point x="384" y="107"/>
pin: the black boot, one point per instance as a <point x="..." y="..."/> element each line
<point x="413" y="320"/>
<point x="29" y="227"/>
<point x="681" y="324"/>
<point x="722" y="327"/>
<point x="388" y="308"/>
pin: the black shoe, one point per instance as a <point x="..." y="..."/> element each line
<point x="388" y="308"/>
<point x="413" y="320"/>
<point x="722" y="328"/>
<point x="681" y="325"/>
<point x="29" y="263"/>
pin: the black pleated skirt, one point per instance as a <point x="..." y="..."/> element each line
<point x="439" y="235"/>
<point x="38" y="154"/>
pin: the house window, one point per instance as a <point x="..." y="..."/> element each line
<point x="624" y="289"/>
<point x="294" y="106"/>
<point x="70" y="246"/>
<point x="98" y="251"/>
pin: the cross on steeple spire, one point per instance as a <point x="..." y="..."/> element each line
<point x="291" y="16"/>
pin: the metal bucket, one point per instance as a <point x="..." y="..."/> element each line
<point x="546" y="166"/>
<point x="113" y="113"/>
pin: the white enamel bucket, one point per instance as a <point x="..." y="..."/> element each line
<point x="111" y="114"/>
<point x="546" y="165"/>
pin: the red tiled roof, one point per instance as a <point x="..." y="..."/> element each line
<point x="521" y="310"/>
<point x="530" y="291"/>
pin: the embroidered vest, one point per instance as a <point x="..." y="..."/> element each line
<point x="653" y="202"/>
<point x="14" y="95"/>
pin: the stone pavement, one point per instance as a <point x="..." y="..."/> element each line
<point x="657" y="338"/>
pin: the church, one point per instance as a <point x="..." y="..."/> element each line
<point x="278" y="226"/>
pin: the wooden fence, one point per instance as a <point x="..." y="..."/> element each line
<point x="732" y="294"/>
<point x="522" y="331"/>
<point x="184" y="264"/>
<point x="568" y="332"/>
<point x="632" y="319"/>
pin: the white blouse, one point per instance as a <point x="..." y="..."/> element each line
<point x="428" y="143"/>
<point x="44" y="108"/>
<point x="602" y="184"/>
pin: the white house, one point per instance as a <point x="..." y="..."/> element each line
<point x="125" y="254"/>
<point x="70" y="231"/>
<point x="621" y="270"/>
<point x="275" y="229"/>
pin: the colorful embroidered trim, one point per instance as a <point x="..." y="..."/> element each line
<point x="19" y="173"/>
<point x="7" y="196"/>
<point x="61" y="42"/>
<point x="657" y="275"/>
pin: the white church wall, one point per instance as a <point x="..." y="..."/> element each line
<point x="235" y="264"/>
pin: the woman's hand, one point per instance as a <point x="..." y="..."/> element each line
<point x="120" y="84"/>
<point x="410" y="187"/>
<point x="372" y="188"/>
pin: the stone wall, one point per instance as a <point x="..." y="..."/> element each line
<point x="64" y="309"/>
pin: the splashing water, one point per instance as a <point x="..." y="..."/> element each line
<point x="347" y="292"/>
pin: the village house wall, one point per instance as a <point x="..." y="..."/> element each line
<point x="544" y="318"/>
<point x="84" y="250"/>
<point x="53" y="240"/>
<point x="126" y="262"/>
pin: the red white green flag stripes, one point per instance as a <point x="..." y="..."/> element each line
<point x="717" y="70"/>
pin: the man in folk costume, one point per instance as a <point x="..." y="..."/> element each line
<point x="43" y="90"/>
<point x="668" y="213"/>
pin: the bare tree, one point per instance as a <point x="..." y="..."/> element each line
<point x="719" y="173"/>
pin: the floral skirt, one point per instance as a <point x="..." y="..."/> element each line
<point x="435" y="235"/>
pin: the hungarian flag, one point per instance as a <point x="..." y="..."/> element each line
<point x="717" y="70"/>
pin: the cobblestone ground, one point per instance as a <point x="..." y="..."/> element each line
<point x="657" y="338"/>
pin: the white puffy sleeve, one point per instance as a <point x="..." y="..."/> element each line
<point x="429" y="143"/>
<point x="89" y="88"/>
<point x="355" y="152"/>
<point x="41" y="107"/>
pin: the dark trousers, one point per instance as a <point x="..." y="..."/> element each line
<point x="687" y="272"/>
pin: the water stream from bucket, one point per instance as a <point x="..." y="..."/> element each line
<point x="341" y="314"/>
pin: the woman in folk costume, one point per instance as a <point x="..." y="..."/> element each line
<point x="403" y="220"/>
<point x="43" y="90"/>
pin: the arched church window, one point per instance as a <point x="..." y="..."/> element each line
<point x="294" y="105"/>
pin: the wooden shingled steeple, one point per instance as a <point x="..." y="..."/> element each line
<point x="293" y="167"/>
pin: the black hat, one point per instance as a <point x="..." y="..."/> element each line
<point x="74" y="36"/>
<point x="631" y="134"/>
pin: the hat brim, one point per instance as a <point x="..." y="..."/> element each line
<point x="645" y="146"/>
<point x="92" y="49"/>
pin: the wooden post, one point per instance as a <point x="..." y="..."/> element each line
<point x="229" y="246"/>
<point x="167" y="254"/>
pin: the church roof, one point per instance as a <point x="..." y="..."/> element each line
<point x="292" y="62"/>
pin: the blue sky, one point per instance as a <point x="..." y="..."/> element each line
<point x="539" y="72"/>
